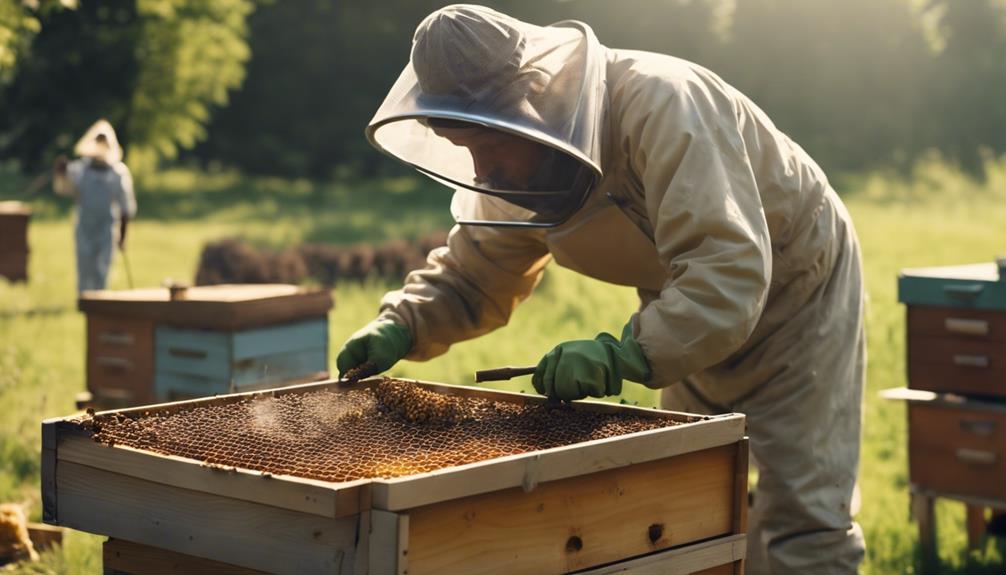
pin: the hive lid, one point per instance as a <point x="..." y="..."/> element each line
<point x="229" y="306"/>
<point x="11" y="208"/>
<point x="981" y="286"/>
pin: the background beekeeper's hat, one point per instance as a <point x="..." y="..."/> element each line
<point x="91" y="146"/>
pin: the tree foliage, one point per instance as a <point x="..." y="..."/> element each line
<point x="859" y="83"/>
<point x="20" y="20"/>
<point x="154" y="68"/>
<point x="191" y="52"/>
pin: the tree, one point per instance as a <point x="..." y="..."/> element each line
<point x="154" y="68"/>
<point x="968" y="82"/>
<point x="20" y="20"/>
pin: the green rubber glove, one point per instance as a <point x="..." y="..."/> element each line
<point x="381" y="341"/>
<point x="594" y="367"/>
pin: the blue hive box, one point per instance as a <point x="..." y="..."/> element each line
<point x="160" y="344"/>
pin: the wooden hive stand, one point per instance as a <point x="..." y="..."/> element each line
<point x="956" y="394"/>
<point x="671" y="500"/>
<point x="161" y="344"/>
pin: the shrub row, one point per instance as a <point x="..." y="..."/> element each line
<point x="232" y="260"/>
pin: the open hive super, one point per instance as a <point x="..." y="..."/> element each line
<point x="385" y="476"/>
<point x="391" y="429"/>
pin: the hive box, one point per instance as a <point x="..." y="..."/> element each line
<point x="956" y="395"/>
<point x="143" y="347"/>
<point x="672" y="498"/>
<point x="14" y="218"/>
<point x="956" y="328"/>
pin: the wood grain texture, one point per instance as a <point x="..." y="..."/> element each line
<point x="720" y="556"/>
<point x="957" y="365"/>
<point x="120" y="359"/>
<point x="224" y="307"/>
<point x="296" y="494"/>
<point x="959" y="451"/>
<point x="48" y="470"/>
<point x="613" y="514"/>
<point x="135" y="559"/>
<point x="948" y="378"/>
<point x="204" y="525"/>
<point x="740" y="514"/>
<point x="926" y="321"/>
<point x="535" y="468"/>
<point x="941" y="351"/>
<point x="389" y="543"/>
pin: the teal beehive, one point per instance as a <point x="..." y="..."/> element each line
<point x="977" y="286"/>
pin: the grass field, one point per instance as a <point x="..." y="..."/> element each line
<point x="936" y="217"/>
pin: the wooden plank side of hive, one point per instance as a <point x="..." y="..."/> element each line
<point x="581" y="522"/>
<point x="293" y="493"/>
<point x="720" y="556"/>
<point x="125" y="557"/>
<point x="528" y="470"/>
<point x="204" y="525"/>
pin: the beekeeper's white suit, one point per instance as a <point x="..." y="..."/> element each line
<point x="745" y="260"/>
<point x="103" y="187"/>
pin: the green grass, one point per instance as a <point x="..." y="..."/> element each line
<point x="936" y="218"/>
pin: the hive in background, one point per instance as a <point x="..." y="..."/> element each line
<point x="157" y="344"/>
<point x="14" y="218"/>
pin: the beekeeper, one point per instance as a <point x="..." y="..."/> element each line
<point x="649" y="171"/>
<point x="103" y="188"/>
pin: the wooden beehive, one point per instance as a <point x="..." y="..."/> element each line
<point x="14" y="217"/>
<point x="956" y="343"/>
<point x="144" y="346"/>
<point x="673" y="495"/>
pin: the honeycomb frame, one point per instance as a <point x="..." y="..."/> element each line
<point x="322" y="434"/>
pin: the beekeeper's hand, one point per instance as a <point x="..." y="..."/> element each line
<point x="381" y="342"/>
<point x="591" y="367"/>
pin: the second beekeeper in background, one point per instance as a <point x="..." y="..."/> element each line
<point x="103" y="188"/>
<point x="643" y="170"/>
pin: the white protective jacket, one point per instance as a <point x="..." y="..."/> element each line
<point x="723" y="224"/>
<point x="745" y="260"/>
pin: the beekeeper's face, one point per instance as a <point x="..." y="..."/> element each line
<point x="502" y="161"/>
